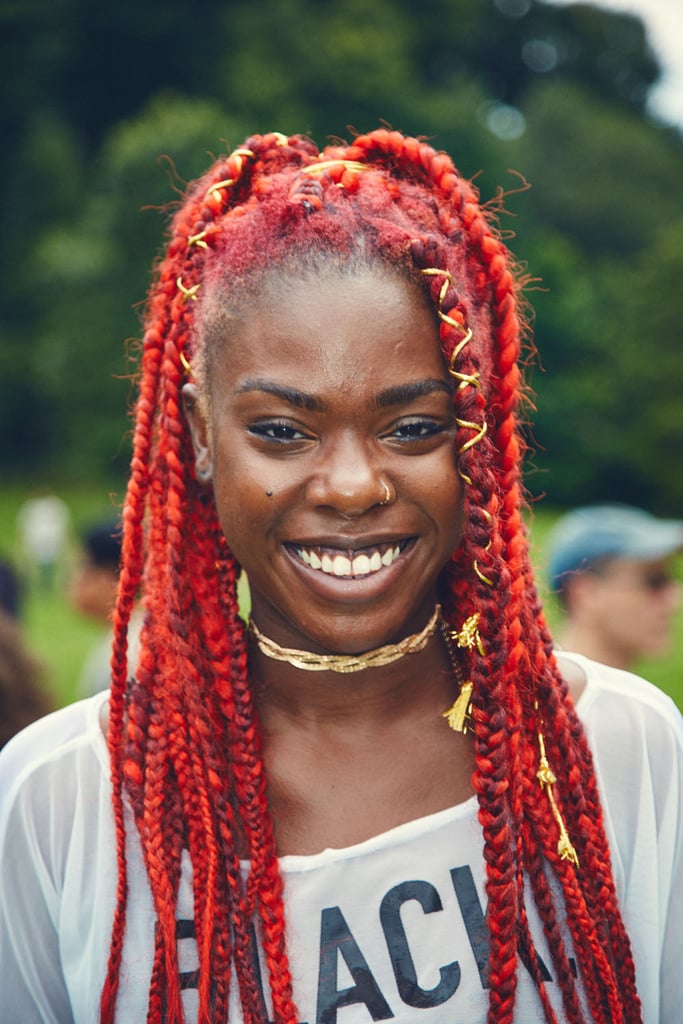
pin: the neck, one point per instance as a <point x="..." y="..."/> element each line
<point x="383" y="693"/>
<point x="594" y="645"/>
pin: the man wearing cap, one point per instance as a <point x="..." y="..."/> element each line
<point x="611" y="566"/>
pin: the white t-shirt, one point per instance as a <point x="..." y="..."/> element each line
<point x="389" y="929"/>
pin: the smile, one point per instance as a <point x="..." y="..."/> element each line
<point x="350" y="564"/>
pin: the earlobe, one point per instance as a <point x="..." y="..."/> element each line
<point x="200" y="433"/>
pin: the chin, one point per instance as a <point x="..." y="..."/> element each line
<point x="356" y="635"/>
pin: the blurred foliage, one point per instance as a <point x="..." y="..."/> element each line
<point x="109" y="109"/>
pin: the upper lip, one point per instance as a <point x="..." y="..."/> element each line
<point x="346" y="543"/>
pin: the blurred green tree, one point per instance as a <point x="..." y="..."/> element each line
<point x="99" y="93"/>
<point x="596" y="228"/>
<point x="86" y="268"/>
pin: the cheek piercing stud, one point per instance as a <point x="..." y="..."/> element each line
<point x="269" y="494"/>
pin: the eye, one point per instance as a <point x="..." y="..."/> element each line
<point x="277" y="431"/>
<point x="417" y="429"/>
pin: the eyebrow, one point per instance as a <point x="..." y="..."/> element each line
<point x="399" y="394"/>
<point x="403" y="394"/>
<point x="299" y="399"/>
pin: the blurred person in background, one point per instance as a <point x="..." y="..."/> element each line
<point x="612" y="567"/>
<point x="10" y="589"/>
<point x="23" y="698"/>
<point x="43" y="527"/>
<point x="92" y="591"/>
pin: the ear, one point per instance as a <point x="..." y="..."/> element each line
<point x="583" y="592"/>
<point x="200" y="432"/>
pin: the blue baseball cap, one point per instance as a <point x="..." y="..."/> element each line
<point x="596" y="533"/>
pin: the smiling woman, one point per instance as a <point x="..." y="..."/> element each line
<point x="360" y="465"/>
<point x="382" y="797"/>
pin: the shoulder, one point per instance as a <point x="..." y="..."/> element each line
<point x="629" y="720"/>
<point x="635" y="733"/>
<point x="614" y="704"/>
<point x="54" y="755"/>
<point x="58" y="856"/>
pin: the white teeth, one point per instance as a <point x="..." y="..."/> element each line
<point x="389" y="556"/>
<point x="342" y="565"/>
<point x="360" y="565"/>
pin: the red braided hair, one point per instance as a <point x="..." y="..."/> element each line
<point x="184" y="737"/>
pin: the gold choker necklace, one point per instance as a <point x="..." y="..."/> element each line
<point x="347" y="662"/>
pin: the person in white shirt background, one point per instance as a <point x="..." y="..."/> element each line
<point x="613" y="569"/>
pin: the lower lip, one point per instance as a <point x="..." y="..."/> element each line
<point x="351" y="588"/>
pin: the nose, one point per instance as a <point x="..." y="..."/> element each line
<point x="348" y="477"/>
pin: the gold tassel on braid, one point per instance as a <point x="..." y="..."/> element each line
<point x="459" y="715"/>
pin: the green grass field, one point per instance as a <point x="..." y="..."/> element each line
<point x="55" y="632"/>
<point x="61" y="637"/>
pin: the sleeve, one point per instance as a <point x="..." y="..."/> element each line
<point x="31" y="851"/>
<point x="34" y="991"/>
<point x="636" y="734"/>
<point x="670" y="838"/>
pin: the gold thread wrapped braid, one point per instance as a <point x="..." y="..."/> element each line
<point x="187" y="293"/>
<point x="198" y="239"/>
<point x="547" y="780"/>
<point x="325" y="165"/>
<point x="464" y="379"/>
<point x="239" y="156"/>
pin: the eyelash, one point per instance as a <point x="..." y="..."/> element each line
<point x="417" y="429"/>
<point x="280" y="432"/>
<point x="277" y="431"/>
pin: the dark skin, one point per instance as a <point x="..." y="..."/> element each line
<point x="330" y="394"/>
<point x="353" y="766"/>
<point x="327" y="429"/>
<point x="309" y="421"/>
<point x="366" y="757"/>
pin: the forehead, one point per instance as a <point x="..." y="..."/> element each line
<point x="336" y="329"/>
